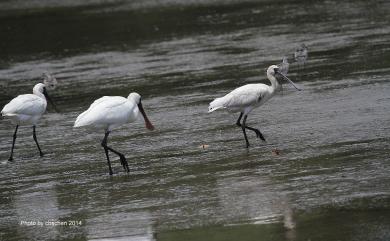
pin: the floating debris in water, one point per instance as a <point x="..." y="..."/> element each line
<point x="204" y="146"/>
<point x="275" y="152"/>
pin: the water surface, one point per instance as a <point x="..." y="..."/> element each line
<point x="329" y="182"/>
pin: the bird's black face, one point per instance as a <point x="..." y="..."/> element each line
<point x="45" y="93"/>
<point x="276" y="70"/>
<point x="49" y="99"/>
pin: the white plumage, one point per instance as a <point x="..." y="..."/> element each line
<point x="110" y="112"/>
<point x="248" y="97"/>
<point x="243" y="99"/>
<point x="27" y="108"/>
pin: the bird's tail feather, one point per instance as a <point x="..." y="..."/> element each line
<point x="4" y="114"/>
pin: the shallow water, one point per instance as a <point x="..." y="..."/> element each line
<point x="329" y="182"/>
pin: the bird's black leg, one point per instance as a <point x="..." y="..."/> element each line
<point x="258" y="133"/>
<point x="121" y="156"/>
<point x="243" y="130"/>
<point x="239" y="119"/>
<point x="13" y="144"/>
<point x="122" y="159"/>
<point x="104" y="145"/>
<point x="243" y="127"/>
<point x="36" y="142"/>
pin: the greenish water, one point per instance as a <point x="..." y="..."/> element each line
<point x="329" y="182"/>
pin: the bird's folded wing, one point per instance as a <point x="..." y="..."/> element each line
<point x="27" y="104"/>
<point x="242" y="97"/>
<point x="102" y="110"/>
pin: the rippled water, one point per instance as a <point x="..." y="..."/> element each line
<point x="329" y="182"/>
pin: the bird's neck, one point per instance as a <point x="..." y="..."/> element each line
<point x="275" y="86"/>
<point x="38" y="90"/>
<point x="40" y="95"/>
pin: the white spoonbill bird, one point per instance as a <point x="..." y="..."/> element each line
<point x="110" y="112"/>
<point x="27" y="110"/>
<point x="301" y="54"/>
<point x="248" y="97"/>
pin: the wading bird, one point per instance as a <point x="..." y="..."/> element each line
<point x="248" y="97"/>
<point x="49" y="81"/>
<point x="283" y="67"/>
<point x="27" y="110"/>
<point x="301" y="54"/>
<point x="110" y="112"/>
